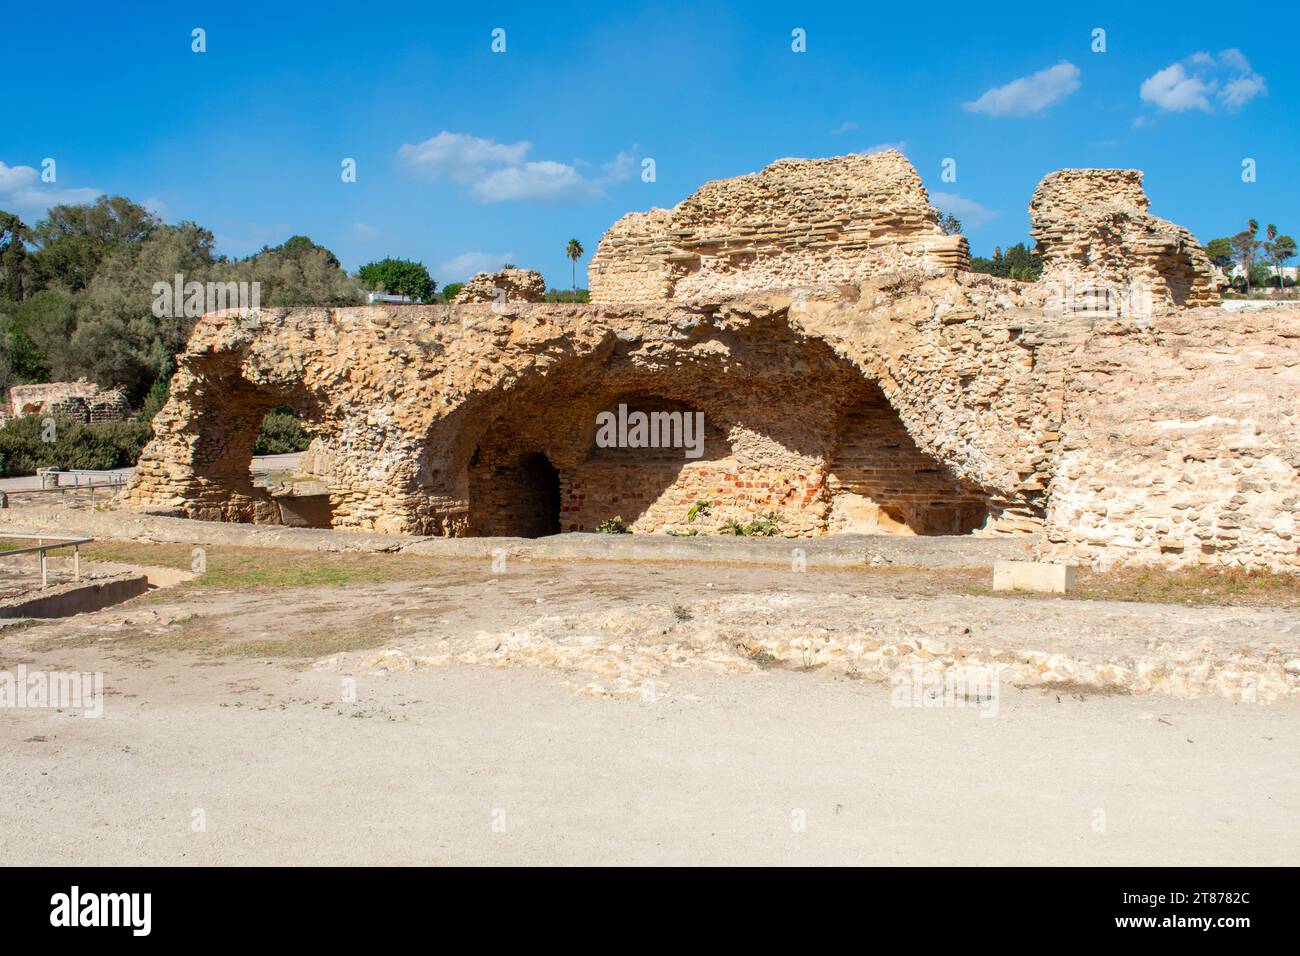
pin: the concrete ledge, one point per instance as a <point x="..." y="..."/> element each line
<point x="1033" y="576"/>
<point x="68" y="599"/>
<point x="848" y="550"/>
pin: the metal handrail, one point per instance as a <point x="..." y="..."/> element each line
<point x="113" y="477"/>
<point x="41" y="548"/>
<point x="117" y="482"/>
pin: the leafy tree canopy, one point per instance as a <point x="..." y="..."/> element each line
<point x="398" y="277"/>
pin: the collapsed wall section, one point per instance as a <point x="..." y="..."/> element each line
<point x="799" y="223"/>
<point x="1105" y="255"/>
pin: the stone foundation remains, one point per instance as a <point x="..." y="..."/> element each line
<point x="884" y="390"/>
<point x="80" y="401"/>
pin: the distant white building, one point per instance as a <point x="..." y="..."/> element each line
<point x="373" y="298"/>
<point x="1288" y="272"/>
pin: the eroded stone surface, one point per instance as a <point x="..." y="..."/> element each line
<point x="881" y="392"/>
<point x="1105" y="254"/>
<point x="800" y="223"/>
<point x="504" y="285"/>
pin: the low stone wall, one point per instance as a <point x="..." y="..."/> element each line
<point x="81" y="401"/>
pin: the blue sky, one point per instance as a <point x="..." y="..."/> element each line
<point x="545" y="141"/>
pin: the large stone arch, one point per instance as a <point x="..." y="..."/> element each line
<point x="404" y="398"/>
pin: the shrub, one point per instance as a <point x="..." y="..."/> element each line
<point x="764" y="527"/>
<point x="613" y="525"/>
<point x="153" y="401"/>
<point x="281" y="434"/>
<point x="23" y="447"/>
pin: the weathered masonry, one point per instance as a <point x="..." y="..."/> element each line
<point x="850" y="375"/>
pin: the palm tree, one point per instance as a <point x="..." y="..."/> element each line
<point x="574" y="251"/>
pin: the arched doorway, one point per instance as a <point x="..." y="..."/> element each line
<point x="517" y="498"/>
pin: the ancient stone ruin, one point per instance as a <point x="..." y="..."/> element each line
<point x="1104" y="254"/>
<point x="504" y="285"/>
<point x="846" y="371"/>
<point x="80" y="401"/>
<point x="813" y="224"/>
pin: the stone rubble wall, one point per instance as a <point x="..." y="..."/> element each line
<point x="854" y="376"/>
<point x="81" y="401"/>
<point x="1104" y="254"/>
<point x="506" y="285"/>
<point x="1172" y="444"/>
<point x="1182" y="444"/>
<point x="813" y="224"/>
<point x="402" y="398"/>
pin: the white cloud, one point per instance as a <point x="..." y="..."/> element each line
<point x="847" y="126"/>
<point x="14" y="178"/>
<point x="500" y="172"/>
<point x="1029" y="94"/>
<point x="1202" y="79"/>
<point x="1175" y="90"/>
<point x="468" y="264"/>
<point x="541" y="182"/>
<point x="968" y="211"/>
<point x="901" y="146"/>
<point x="364" y="232"/>
<point x="22" y="192"/>
<point x="460" y="157"/>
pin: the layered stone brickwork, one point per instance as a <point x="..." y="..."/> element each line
<point x="1104" y="254"/>
<point x="81" y="401"/>
<point x="925" y="406"/>
<point x="812" y="224"/>
<point x="504" y="285"/>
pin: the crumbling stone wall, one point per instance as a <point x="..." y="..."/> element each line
<point x="504" y="285"/>
<point x="404" y="400"/>
<point x="861" y="382"/>
<point x="81" y="401"/>
<point x="925" y="405"/>
<point x="1104" y="254"/>
<point x="800" y="223"/>
<point x="1181" y="444"/>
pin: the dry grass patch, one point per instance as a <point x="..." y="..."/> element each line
<point x="1230" y="587"/>
<point x="231" y="566"/>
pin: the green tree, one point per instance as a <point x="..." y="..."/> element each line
<point x="1245" y="247"/>
<point x="1219" y="252"/>
<point x="950" y="224"/>
<point x="298" y="272"/>
<point x="1279" y="249"/>
<point x="398" y="277"/>
<point x="14" y="236"/>
<point x="72" y="240"/>
<point x="118" y="340"/>
<point x="451" y="290"/>
<point x="574" y="251"/>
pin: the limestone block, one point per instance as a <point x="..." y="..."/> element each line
<point x="1033" y="576"/>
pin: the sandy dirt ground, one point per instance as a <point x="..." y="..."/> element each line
<point x="602" y="712"/>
